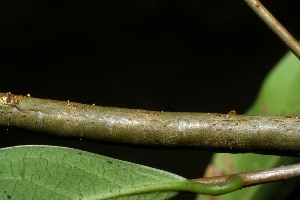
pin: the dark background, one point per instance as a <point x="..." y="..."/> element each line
<point x="196" y="56"/>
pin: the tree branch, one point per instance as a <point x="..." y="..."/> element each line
<point x="275" y="25"/>
<point x="205" y="131"/>
<point x="256" y="178"/>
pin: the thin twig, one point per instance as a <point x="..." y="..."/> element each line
<point x="259" y="177"/>
<point x="206" y="131"/>
<point x="275" y="25"/>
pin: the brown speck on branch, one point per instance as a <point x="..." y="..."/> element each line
<point x="9" y="99"/>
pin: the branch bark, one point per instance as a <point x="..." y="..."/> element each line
<point x="205" y="131"/>
<point x="275" y="25"/>
<point x="256" y="178"/>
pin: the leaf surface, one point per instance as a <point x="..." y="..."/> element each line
<point x="47" y="172"/>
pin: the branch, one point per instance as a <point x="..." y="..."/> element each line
<point x="275" y="25"/>
<point x="205" y="131"/>
<point x="255" y="178"/>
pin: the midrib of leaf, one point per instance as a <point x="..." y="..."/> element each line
<point x="185" y="185"/>
<point x="160" y="187"/>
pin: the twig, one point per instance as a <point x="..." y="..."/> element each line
<point x="256" y="178"/>
<point x="275" y="25"/>
<point x="206" y="131"/>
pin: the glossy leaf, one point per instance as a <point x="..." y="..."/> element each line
<point x="279" y="95"/>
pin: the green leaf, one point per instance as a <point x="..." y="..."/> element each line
<point x="47" y="172"/>
<point x="279" y="95"/>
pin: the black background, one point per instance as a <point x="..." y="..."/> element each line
<point x="197" y="56"/>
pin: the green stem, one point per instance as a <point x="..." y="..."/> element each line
<point x="258" y="177"/>
<point x="206" y="131"/>
<point x="231" y="185"/>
